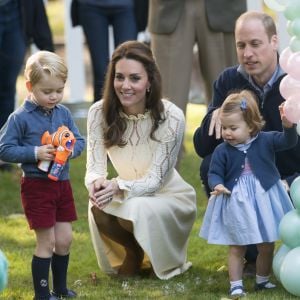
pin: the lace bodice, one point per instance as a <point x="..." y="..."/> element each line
<point x="143" y="164"/>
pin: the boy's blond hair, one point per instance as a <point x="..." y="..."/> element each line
<point x="45" y="62"/>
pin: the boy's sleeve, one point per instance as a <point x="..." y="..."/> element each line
<point x="11" y="149"/>
<point x="80" y="141"/>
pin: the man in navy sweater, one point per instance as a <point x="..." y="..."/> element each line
<point x="259" y="71"/>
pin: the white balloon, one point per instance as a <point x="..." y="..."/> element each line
<point x="298" y="128"/>
<point x="275" y="5"/>
<point x="293" y="65"/>
<point x="284" y="58"/>
<point x="289" y="86"/>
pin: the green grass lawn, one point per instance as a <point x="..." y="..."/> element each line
<point x="207" y="279"/>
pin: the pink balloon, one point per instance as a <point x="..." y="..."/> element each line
<point x="293" y="65"/>
<point x="284" y="57"/>
<point x="291" y="109"/>
<point x="289" y="86"/>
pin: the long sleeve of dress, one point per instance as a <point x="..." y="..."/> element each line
<point x="143" y="164"/>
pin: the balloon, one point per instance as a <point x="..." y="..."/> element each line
<point x="3" y="271"/>
<point x="289" y="28"/>
<point x="290" y="272"/>
<point x="289" y="87"/>
<point x="295" y="26"/>
<point x="295" y="192"/>
<point x="292" y="10"/>
<point x="284" y="57"/>
<point x="279" y="256"/>
<point x="295" y="44"/>
<point x="275" y="5"/>
<point x="289" y="229"/>
<point x="298" y="128"/>
<point x="293" y="65"/>
<point x="291" y="109"/>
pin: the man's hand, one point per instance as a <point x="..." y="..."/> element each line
<point x="215" y="125"/>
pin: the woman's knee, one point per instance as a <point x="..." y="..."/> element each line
<point x="127" y="225"/>
<point x="101" y="218"/>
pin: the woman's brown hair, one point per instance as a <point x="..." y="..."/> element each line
<point x="115" y="124"/>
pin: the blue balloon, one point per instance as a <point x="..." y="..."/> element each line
<point x="3" y="271"/>
<point x="295" y="192"/>
<point x="279" y="256"/>
<point x="292" y="10"/>
<point x="295" y="26"/>
<point x="289" y="229"/>
<point x="290" y="272"/>
<point x="294" y="44"/>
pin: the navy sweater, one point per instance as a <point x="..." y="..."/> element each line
<point x="287" y="161"/>
<point x="228" y="162"/>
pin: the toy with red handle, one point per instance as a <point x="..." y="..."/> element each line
<point x="63" y="140"/>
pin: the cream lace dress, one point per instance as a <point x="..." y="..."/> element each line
<point x="160" y="204"/>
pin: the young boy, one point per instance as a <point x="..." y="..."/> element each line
<point x="48" y="204"/>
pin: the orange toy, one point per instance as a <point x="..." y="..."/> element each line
<point x="63" y="140"/>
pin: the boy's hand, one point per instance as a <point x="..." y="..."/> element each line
<point x="46" y="152"/>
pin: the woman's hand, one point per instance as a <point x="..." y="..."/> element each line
<point x="101" y="192"/>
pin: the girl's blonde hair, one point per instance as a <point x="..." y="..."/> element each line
<point x="244" y="102"/>
<point x="45" y="62"/>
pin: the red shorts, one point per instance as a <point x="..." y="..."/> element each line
<point x="46" y="202"/>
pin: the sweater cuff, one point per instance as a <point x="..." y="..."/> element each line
<point x="36" y="153"/>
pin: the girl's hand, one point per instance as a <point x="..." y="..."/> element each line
<point x="220" y="189"/>
<point x="285" y="184"/>
<point x="285" y="122"/>
<point x="46" y="152"/>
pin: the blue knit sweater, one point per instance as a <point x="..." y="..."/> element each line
<point x="228" y="162"/>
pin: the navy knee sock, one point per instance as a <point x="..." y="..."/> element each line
<point x="40" y="275"/>
<point x="59" y="265"/>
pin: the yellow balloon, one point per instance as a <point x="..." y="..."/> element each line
<point x="273" y="4"/>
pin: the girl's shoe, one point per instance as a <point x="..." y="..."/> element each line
<point x="237" y="292"/>
<point x="264" y="286"/>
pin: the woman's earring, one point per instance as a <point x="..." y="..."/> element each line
<point x="148" y="90"/>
